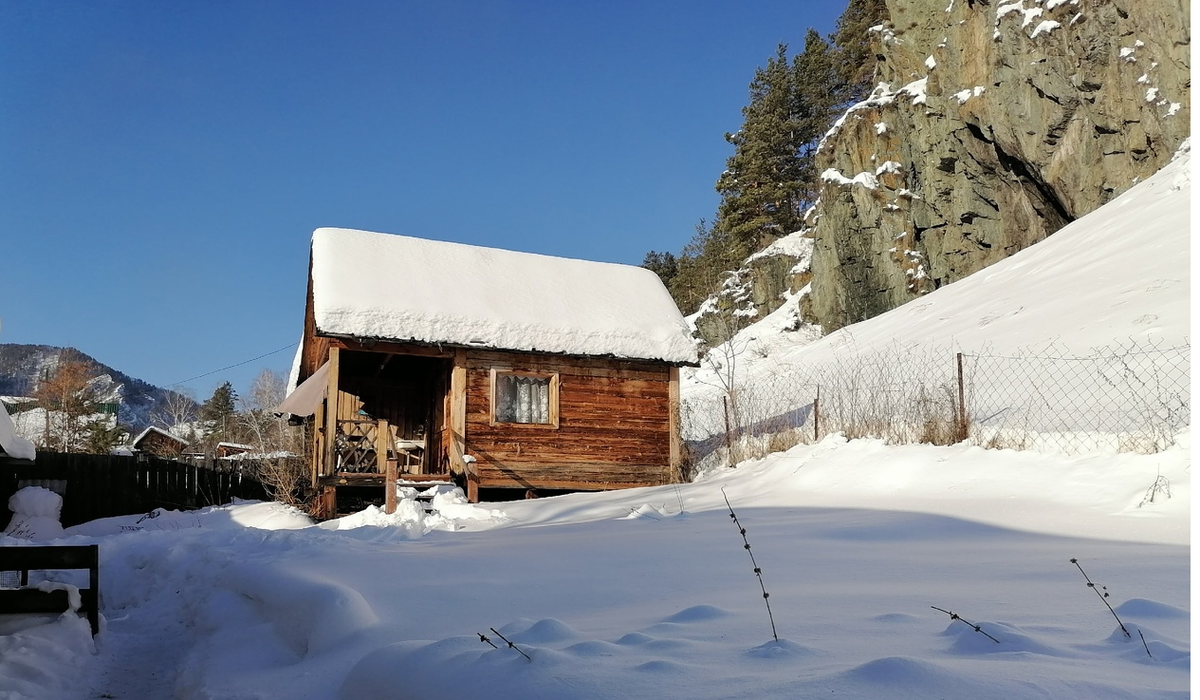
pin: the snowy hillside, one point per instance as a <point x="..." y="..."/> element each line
<point x="22" y="366"/>
<point x="649" y="593"/>
<point x="1116" y="280"/>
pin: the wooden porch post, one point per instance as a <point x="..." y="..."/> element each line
<point x="458" y="423"/>
<point x="386" y="466"/>
<point x="331" y="414"/>
<point x="328" y="463"/>
<point x="676" y="449"/>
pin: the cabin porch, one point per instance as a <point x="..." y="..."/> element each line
<point x="381" y="424"/>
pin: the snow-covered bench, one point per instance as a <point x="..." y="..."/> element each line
<point x="49" y="597"/>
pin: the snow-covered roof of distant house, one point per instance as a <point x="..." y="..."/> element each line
<point x="142" y="435"/>
<point x="12" y="444"/>
<point x="388" y="287"/>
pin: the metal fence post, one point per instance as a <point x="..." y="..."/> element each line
<point x="962" y="404"/>
<point x="728" y="436"/>
<point x="817" y="415"/>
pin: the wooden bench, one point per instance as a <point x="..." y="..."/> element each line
<point x="53" y="558"/>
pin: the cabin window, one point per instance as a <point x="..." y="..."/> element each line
<point x="525" y="398"/>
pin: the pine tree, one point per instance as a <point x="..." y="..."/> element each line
<point x="217" y="412"/>
<point x="856" y="64"/>
<point x="665" y="265"/>
<point x="820" y="94"/>
<point x="760" y="188"/>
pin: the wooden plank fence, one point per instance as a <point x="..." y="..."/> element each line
<point x="101" y="486"/>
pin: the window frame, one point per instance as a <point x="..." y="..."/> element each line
<point x="552" y="397"/>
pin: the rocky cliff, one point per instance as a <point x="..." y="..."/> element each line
<point x="993" y="125"/>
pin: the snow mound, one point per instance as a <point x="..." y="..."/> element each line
<point x="36" y="511"/>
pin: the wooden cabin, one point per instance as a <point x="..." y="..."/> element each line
<point x="158" y="442"/>
<point x="427" y="361"/>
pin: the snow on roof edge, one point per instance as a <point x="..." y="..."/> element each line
<point x="388" y="287"/>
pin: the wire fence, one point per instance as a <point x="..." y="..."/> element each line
<point x="1133" y="396"/>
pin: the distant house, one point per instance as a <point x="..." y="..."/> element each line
<point x="428" y="360"/>
<point x="158" y="442"/>
<point x="225" y="450"/>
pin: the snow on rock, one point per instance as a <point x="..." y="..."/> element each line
<point x="375" y="285"/>
<point x="917" y="90"/>
<point x="963" y="95"/>
<point x="1045" y="27"/>
<point x="863" y="179"/>
<point x="881" y="95"/>
<point x="798" y="244"/>
<point x="889" y="166"/>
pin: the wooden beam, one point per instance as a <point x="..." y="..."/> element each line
<point x="386" y="466"/>
<point x="386" y="360"/>
<point x="676" y="449"/>
<point x="382" y="346"/>
<point x="331" y="412"/>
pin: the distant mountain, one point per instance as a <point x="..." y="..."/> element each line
<point x="22" y="366"/>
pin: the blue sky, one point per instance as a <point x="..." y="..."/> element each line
<point x="163" y="164"/>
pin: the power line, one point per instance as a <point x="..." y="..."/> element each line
<point x="239" y="364"/>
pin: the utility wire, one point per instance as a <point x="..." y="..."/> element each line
<point x="239" y="364"/>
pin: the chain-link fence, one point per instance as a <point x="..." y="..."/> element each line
<point x="1129" y="397"/>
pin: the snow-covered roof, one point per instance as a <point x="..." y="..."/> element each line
<point x="12" y="444"/>
<point x="388" y="287"/>
<point x="152" y="429"/>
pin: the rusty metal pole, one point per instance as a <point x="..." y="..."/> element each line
<point x="728" y="435"/>
<point x="817" y="415"/>
<point x="962" y="404"/>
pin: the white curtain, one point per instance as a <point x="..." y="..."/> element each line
<point x="523" y="399"/>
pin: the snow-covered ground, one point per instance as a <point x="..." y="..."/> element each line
<point x="649" y="593"/>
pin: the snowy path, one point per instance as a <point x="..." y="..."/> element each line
<point x="138" y="657"/>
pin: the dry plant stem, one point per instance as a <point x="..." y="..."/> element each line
<point x="483" y="638"/>
<point x="510" y="644"/>
<point x="1103" y="599"/>
<point x="972" y="625"/>
<point x="1145" y="644"/>
<point x="757" y="571"/>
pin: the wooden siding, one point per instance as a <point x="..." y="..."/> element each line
<point x="614" y="425"/>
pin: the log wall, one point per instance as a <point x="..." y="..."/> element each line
<point x="614" y="425"/>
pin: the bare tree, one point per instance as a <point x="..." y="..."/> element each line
<point x="178" y="414"/>
<point x="69" y="400"/>
<point x="280" y="468"/>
